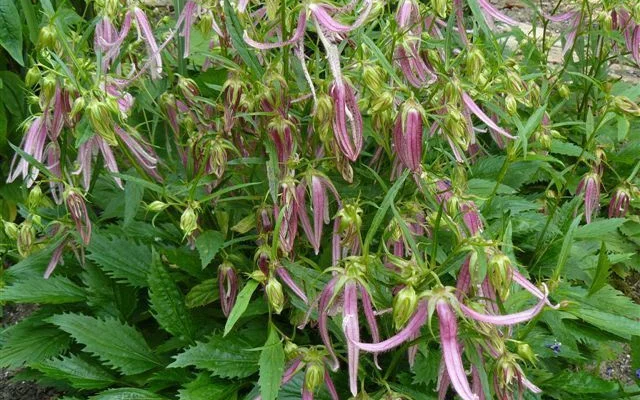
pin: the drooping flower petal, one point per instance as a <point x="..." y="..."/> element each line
<point x="346" y="110"/>
<point x="369" y="314"/>
<point x="491" y="11"/>
<point x="283" y="274"/>
<point x="320" y="14"/>
<point x="477" y="111"/>
<point x="508" y="319"/>
<point x="451" y="350"/>
<point x="323" y="313"/>
<point x="295" y="38"/>
<point x="351" y="328"/>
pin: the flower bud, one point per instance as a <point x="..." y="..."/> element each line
<point x="440" y="7"/>
<point x="33" y="76"/>
<point x="101" y="120"/>
<point x="564" y="91"/>
<point x="545" y="140"/>
<point x="619" y="204"/>
<point x="526" y="352"/>
<point x="48" y="86"/>
<point x="290" y="349"/>
<point x="372" y="77"/>
<point x="605" y="19"/>
<point x="77" y="208"/>
<point x="157" y="206"/>
<point x="205" y="24"/>
<point x="189" y="221"/>
<point x="217" y="161"/>
<point x="264" y="223"/>
<point x="381" y="102"/>
<point x="188" y="87"/>
<point x="511" y="104"/>
<point x="275" y="295"/>
<point x="475" y="64"/>
<point x="34" y="198"/>
<point x="227" y="287"/>
<point x="47" y="37"/>
<point x="78" y="107"/>
<point x="407" y="134"/>
<point x="314" y="375"/>
<point x="500" y="274"/>
<point x="625" y="105"/>
<point x="26" y="238"/>
<point x="10" y="229"/>
<point x="404" y="305"/>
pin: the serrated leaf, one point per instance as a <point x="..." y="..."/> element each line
<point x="121" y="258"/>
<point x="241" y="305"/>
<point x="118" y="345"/>
<point x="127" y="394"/>
<point x="623" y="127"/>
<point x="133" y="194"/>
<point x="618" y="325"/>
<point x="11" y="30"/>
<point x="599" y="229"/>
<point x="80" y="373"/>
<point x="566" y="246"/>
<point x="224" y="357"/>
<point x="30" y="342"/>
<point x="580" y="382"/>
<point x="565" y="148"/>
<point x="167" y="304"/>
<point x="235" y="31"/>
<point x="245" y="224"/>
<point x="271" y="365"/>
<point x="202" y="294"/>
<point x="208" y="245"/>
<point x="425" y="368"/>
<point x="55" y="290"/>
<point x="204" y="387"/>
<point x="602" y="271"/>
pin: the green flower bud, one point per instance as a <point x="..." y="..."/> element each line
<point x="101" y="120"/>
<point x="511" y="104"/>
<point x="500" y="274"/>
<point x="625" y="105"/>
<point x="526" y="352"/>
<point x="382" y="101"/>
<point x="275" y="295"/>
<point x="48" y="86"/>
<point x="440" y="7"/>
<point x="188" y="87"/>
<point x="205" y="24"/>
<point x="26" y="238"/>
<point x="10" y="229"/>
<point x="258" y="275"/>
<point x="35" y="197"/>
<point x="564" y="91"/>
<point x="545" y="140"/>
<point x="157" y="206"/>
<point x="606" y="21"/>
<point x="372" y="77"/>
<point x="47" y="37"/>
<point x="78" y="107"/>
<point x="36" y="219"/>
<point x="475" y="64"/>
<point x="290" y="349"/>
<point x="404" y="305"/>
<point x="33" y="76"/>
<point x="314" y="375"/>
<point x="189" y="221"/>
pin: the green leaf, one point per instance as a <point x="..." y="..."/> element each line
<point x="118" y="345"/>
<point x="565" y="148"/>
<point x="202" y="294"/>
<point x="11" y="30"/>
<point x="126" y="394"/>
<point x="55" y="290"/>
<point x="30" y="342"/>
<point x="386" y="203"/>
<point x="79" y="373"/>
<point x="621" y="326"/>
<point x="635" y="352"/>
<point x="133" y="194"/>
<point x="623" y="127"/>
<point x="271" y="365"/>
<point x="235" y="31"/>
<point x="602" y="271"/>
<point x="241" y="305"/>
<point x="121" y="258"/>
<point x="224" y="357"/>
<point x="208" y="245"/>
<point x="167" y="304"/>
<point x="599" y="229"/>
<point x="580" y="383"/>
<point x="566" y="247"/>
<point x="206" y="388"/>
<point x="524" y="132"/>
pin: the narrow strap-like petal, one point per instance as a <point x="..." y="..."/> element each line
<point x="475" y="109"/>
<point x="295" y="38"/>
<point x="508" y="319"/>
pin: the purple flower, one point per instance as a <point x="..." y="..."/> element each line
<point x="590" y="186"/>
<point x="289" y="206"/>
<point x="417" y="72"/>
<point x="78" y="211"/>
<point x="145" y="34"/>
<point x="143" y="153"/>
<point x="477" y="111"/>
<point x="284" y="276"/>
<point x="619" y="204"/>
<point x="295" y="38"/>
<point x="407" y="135"/>
<point x="319" y="184"/>
<point x="471" y="217"/>
<point x="33" y="144"/>
<point x="87" y="153"/>
<point x="56" y="258"/>
<point x="509" y="319"/>
<point x="490" y="12"/>
<point x="227" y="286"/>
<point x="347" y="120"/>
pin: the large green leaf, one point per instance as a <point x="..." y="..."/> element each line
<point x="126" y="394"/>
<point x="271" y="365"/>
<point x="118" y="345"/>
<point x="80" y="373"/>
<point x="31" y="341"/>
<point x="204" y="293"/>
<point x="121" y="258"/>
<point x="228" y="357"/>
<point x="208" y="245"/>
<point x="618" y="325"/>
<point x="599" y="229"/>
<point x="55" y="290"/>
<point x="204" y="387"/>
<point x="241" y="305"/>
<point x="11" y="30"/>
<point x="167" y="304"/>
<point x="133" y="194"/>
